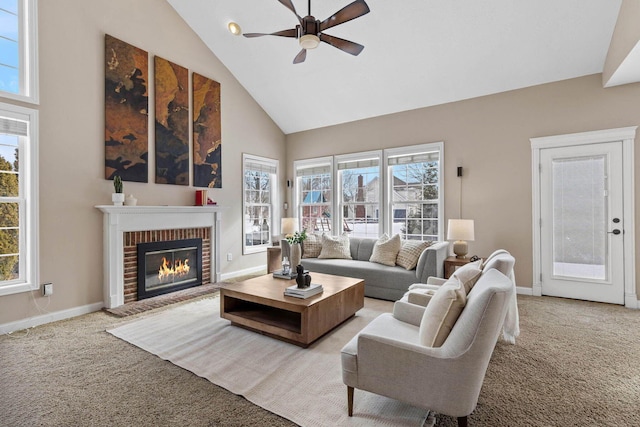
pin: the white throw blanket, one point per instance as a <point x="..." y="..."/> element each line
<point x="511" y="326"/>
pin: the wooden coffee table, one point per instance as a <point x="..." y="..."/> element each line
<point x="259" y="304"/>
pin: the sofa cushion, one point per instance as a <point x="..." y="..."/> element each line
<point x="442" y="312"/>
<point x="410" y="252"/>
<point x="312" y="246"/>
<point x="468" y="274"/>
<point x="386" y="250"/>
<point x="335" y="247"/>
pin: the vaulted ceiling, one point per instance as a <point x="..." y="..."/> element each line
<point x="418" y="53"/>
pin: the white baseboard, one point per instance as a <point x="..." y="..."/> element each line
<point x="49" y="317"/>
<point x="524" y="291"/>
<point x="245" y="272"/>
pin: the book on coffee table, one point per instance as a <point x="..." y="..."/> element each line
<point x="295" y="291"/>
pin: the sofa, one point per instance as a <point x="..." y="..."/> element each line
<point x="380" y="281"/>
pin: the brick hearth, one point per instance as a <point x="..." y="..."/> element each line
<point x="132" y="238"/>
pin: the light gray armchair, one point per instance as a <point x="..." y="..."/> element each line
<point x="386" y="357"/>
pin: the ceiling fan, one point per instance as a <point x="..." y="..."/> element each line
<point x="309" y="31"/>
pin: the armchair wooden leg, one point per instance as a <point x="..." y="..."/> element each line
<point x="462" y="421"/>
<point x="350" y="400"/>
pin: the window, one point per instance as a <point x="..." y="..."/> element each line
<point x="18" y="50"/>
<point x="393" y="191"/>
<point x="415" y="193"/>
<point x="260" y="176"/>
<point x="18" y="199"/>
<point x="315" y="188"/>
<point x="359" y="177"/>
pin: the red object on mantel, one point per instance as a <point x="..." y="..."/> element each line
<point x="201" y="197"/>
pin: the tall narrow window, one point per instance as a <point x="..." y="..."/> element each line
<point x="360" y="187"/>
<point x="18" y="199"/>
<point x="18" y="50"/>
<point x="260" y="176"/>
<point x="314" y="192"/>
<point x="415" y="194"/>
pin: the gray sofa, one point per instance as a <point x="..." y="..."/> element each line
<point x="380" y="281"/>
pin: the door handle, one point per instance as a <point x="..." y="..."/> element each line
<point x="615" y="231"/>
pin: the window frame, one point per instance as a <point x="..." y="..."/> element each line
<point x="409" y="151"/>
<point x="364" y="156"/>
<point x="385" y="223"/>
<point x="298" y="165"/>
<point x="28" y="279"/>
<point x="28" y="51"/>
<point x="272" y="205"/>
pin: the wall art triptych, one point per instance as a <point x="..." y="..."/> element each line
<point x="127" y="117"/>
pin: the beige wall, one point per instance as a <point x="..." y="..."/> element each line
<point x="71" y="34"/>
<point x="489" y="137"/>
<point x="625" y="37"/>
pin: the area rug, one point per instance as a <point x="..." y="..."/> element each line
<point x="302" y="385"/>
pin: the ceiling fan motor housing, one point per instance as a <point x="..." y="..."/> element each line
<point x="309" y="33"/>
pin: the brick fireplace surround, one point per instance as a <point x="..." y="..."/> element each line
<point x="126" y="226"/>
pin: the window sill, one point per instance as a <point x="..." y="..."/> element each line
<point x="17" y="288"/>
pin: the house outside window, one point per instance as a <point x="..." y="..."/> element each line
<point x="18" y="199"/>
<point x="415" y="193"/>
<point x="393" y="191"/>
<point x="314" y="183"/>
<point x="359" y="176"/>
<point x="259" y="200"/>
<point x="18" y="50"/>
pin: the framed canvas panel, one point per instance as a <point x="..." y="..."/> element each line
<point x="126" y="111"/>
<point x="172" y="122"/>
<point x="207" y="133"/>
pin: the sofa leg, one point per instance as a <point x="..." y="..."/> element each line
<point x="462" y="421"/>
<point x="350" y="400"/>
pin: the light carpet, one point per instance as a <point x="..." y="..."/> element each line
<point x="302" y="385"/>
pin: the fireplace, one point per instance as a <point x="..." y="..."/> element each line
<point x="126" y="226"/>
<point x="168" y="266"/>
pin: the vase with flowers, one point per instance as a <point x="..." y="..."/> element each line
<point x="295" y="243"/>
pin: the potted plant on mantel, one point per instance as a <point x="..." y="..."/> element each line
<point x="118" y="197"/>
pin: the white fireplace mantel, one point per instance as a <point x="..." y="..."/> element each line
<point x="120" y="219"/>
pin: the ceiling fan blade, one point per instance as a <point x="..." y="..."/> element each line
<point x="291" y="7"/>
<point x="300" y="57"/>
<point x="284" y="33"/>
<point x="342" y="44"/>
<point x="347" y="13"/>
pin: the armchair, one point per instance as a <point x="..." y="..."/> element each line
<point x="386" y="357"/>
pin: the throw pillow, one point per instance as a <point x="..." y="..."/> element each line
<point x="312" y="246"/>
<point x="441" y="313"/>
<point x="468" y="274"/>
<point x="410" y="253"/>
<point x="335" y="247"/>
<point x="386" y="250"/>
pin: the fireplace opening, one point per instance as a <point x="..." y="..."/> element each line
<point x="168" y="266"/>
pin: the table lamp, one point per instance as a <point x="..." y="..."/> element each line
<point x="460" y="230"/>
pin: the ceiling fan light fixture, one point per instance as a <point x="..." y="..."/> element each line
<point x="234" y="28"/>
<point x="309" y="41"/>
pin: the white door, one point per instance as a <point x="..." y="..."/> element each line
<point x="582" y="228"/>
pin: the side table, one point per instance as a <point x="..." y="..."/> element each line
<point x="452" y="263"/>
<point x="274" y="261"/>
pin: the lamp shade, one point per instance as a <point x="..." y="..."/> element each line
<point x="460" y="229"/>
<point x="289" y="225"/>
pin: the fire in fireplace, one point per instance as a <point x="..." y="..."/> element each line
<point x="168" y="266"/>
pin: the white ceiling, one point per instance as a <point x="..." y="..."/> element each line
<point x="418" y="53"/>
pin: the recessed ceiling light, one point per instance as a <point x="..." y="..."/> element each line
<point x="234" y="28"/>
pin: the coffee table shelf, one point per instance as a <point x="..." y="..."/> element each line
<point x="272" y="316"/>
